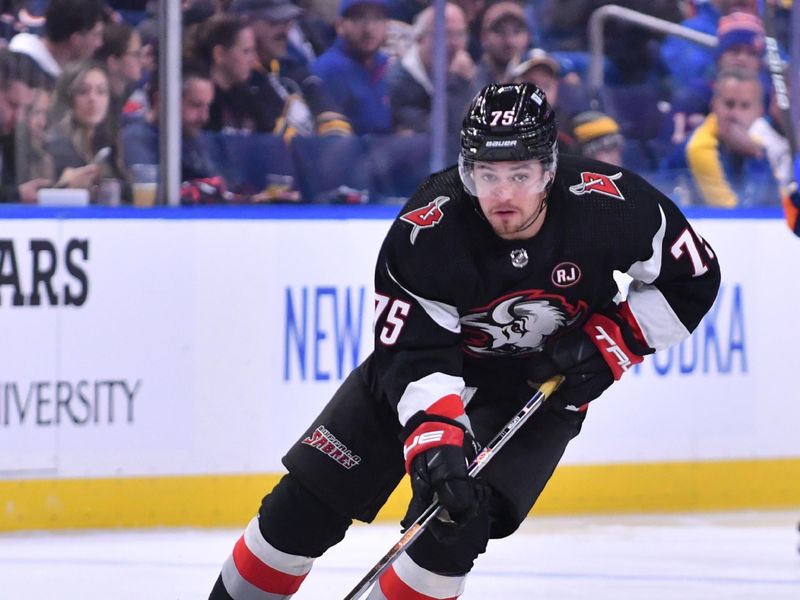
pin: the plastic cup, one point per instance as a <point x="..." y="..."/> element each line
<point x="145" y="184"/>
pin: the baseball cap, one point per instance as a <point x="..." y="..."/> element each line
<point x="346" y="5"/>
<point x="272" y="10"/>
<point x="535" y="58"/>
<point x="502" y="11"/>
<point x="740" y="29"/>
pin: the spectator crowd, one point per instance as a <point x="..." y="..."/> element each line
<point x="330" y="100"/>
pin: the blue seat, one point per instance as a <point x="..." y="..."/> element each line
<point x="331" y="168"/>
<point x="247" y="161"/>
<point x="398" y="164"/>
<point x="638" y="108"/>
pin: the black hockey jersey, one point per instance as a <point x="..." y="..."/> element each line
<point x="458" y="306"/>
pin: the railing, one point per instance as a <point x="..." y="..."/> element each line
<point x="620" y="13"/>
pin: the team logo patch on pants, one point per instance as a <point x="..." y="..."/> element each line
<point x="324" y="441"/>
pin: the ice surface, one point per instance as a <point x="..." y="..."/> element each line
<point x="730" y="556"/>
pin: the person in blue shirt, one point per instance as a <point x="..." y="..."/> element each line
<point x="685" y="59"/>
<point x="354" y="69"/>
<point x="140" y="139"/>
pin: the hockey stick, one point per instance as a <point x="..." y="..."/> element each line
<point x="475" y="467"/>
<point x="775" y="65"/>
<point x="791" y="203"/>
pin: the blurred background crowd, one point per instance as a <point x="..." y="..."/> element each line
<point x="329" y="101"/>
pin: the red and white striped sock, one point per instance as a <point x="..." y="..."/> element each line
<point x="406" y="580"/>
<point x="258" y="571"/>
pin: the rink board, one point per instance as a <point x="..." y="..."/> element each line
<point x="150" y="363"/>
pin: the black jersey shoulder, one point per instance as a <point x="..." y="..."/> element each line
<point x="428" y="240"/>
<point x="609" y="209"/>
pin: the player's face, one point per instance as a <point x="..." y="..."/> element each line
<point x="510" y="195"/>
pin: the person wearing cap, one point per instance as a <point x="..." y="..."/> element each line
<point x="504" y="37"/>
<point x="598" y="137"/>
<point x="411" y="78"/>
<point x="740" y="45"/>
<point x="544" y="71"/>
<point x="354" y="68"/>
<point x="684" y="59"/>
<point x="293" y="100"/>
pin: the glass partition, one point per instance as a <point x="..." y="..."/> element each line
<point x="308" y="101"/>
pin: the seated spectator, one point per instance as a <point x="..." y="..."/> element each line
<point x="740" y="46"/>
<point x="727" y="154"/>
<point x="541" y="69"/>
<point x="354" y="69"/>
<point x="292" y="99"/>
<point x="121" y="54"/>
<point x="410" y="79"/>
<point x="598" y="136"/>
<point x="140" y="139"/>
<point x="75" y="142"/>
<point x="473" y="11"/>
<point x="33" y="162"/>
<point x="686" y="60"/>
<point x="20" y="80"/>
<point x="504" y="37"/>
<point x="227" y="48"/>
<point x="73" y="31"/>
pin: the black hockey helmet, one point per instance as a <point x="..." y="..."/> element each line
<point x="509" y="122"/>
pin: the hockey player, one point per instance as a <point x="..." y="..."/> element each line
<point x="497" y="273"/>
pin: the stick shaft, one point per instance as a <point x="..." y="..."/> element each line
<point x="475" y="467"/>
<point x="775" y="65"/>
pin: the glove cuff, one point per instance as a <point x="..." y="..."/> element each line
<point x="607" y="334"/>
<point x="430" y="431"/>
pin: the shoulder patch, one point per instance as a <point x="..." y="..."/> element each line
<point x="597" y="182"/>
<point x="426" y="216"/>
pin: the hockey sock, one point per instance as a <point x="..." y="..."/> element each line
<point x="258" y="571"/>
<point x="406" y="580"/>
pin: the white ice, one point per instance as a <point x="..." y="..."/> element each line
<point x="731" y="556"/>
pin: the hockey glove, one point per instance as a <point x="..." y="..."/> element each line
<point x="590" y="359"/>
<point x="437" y="452"/>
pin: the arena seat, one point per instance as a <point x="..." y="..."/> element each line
<point x="248" y="160"/>
<point x="331" y="168"/>
<point x="398" y="164"/>
<point x="638" y="108"/>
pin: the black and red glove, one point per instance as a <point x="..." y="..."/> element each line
<point x="437" y="451"/>
<point x="591" y="358"/>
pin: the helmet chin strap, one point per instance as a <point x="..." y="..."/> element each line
<point x="535" y="216"/>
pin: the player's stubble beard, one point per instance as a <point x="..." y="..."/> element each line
<point x="533" y="222"/>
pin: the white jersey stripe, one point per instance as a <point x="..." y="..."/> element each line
<point x="426" y="582"/>
<point x="648" y="270"/>
<point x="444" y="315"/>
<point x="241" y="589"/>
<point x="660" y="325"/>
<point x="420" y="394"/>
<point x="269" y="555"/>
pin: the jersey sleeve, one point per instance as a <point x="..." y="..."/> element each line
<point x="417" y="356"/>
<point x="675" y="277"/>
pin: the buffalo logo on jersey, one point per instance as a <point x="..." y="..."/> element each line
<point x="597" y="182"/>
<point x="518" y="324"/>
<point x="426" y="216"/>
